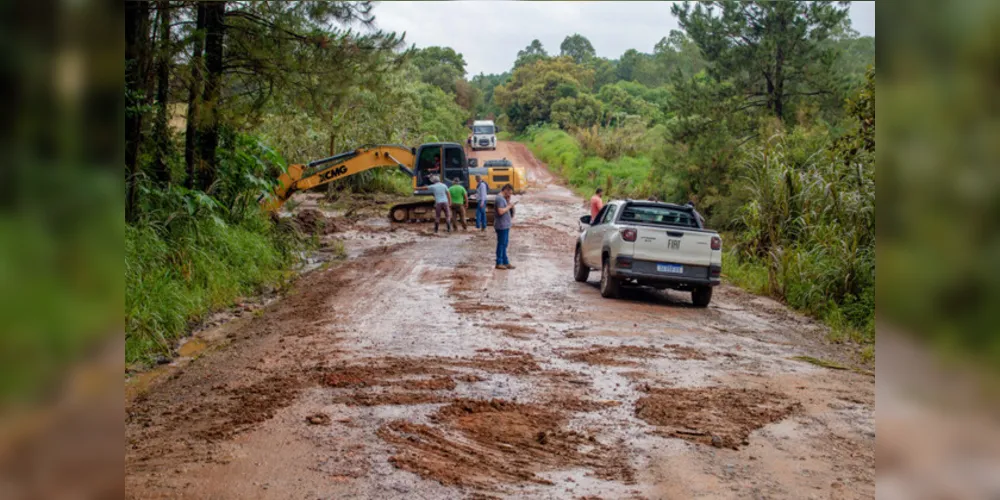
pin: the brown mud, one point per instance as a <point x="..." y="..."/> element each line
<point x="491" y="443"/>
<point x="413" y="369"/>
<point x="719" y="416"/>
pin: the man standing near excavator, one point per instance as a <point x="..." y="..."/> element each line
<point x="459" y="202"/>
<point x="482" y="191"/>
<point x="442" y="202"/>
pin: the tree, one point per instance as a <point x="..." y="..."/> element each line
<point x="702" y="141"/>
<point x="618" y="101"/>
<point x="249" y="56"/>
<point x="678" y="53"/>
<point x="528" y="97"/>
<point x="208" y="132"/>
<point x="774" y="49"/>
<point x="486" y="84"/>
<point x="467" y="96"/>
<point x="439" y="66"/>
<point x="136" y="66"/>
<point x="605" y="72"/>
<point x="532" y="53"/>
<point x="161" y="129"/>
<point x="194" y="97"/>
<point x="578" y="47"/>
<point x="576" y="112"/>
<point x="627" y="65"/>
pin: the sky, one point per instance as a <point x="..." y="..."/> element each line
<point x="489" y="33"/>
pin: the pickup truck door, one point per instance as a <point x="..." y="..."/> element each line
<point x="594" y="242"/>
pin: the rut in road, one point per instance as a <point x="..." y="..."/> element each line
<point x="417" y="370"/>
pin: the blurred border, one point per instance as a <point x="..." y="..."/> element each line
<point x="61" y="228"/>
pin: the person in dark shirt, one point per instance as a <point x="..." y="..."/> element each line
<point x="501" y="223"/>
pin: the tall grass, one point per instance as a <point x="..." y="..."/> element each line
<point x="172" y="282"/>
<point x="621" y="176"/>
<point x="809" y="221"/>
<point x="192" y="252"/>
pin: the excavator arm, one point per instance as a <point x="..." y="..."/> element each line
<point x="319" y="172"/>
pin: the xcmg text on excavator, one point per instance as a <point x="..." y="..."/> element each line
<point x="446" y="160"/>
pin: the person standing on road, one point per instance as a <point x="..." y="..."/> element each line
<point x="596" y="204"/>
<point x="501" y="223"/>
<point x="459" y="202"/>
<point x="482" y="192"/>
<point x="442" y="202"/>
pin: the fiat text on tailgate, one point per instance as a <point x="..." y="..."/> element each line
<point x="644" y="243"/>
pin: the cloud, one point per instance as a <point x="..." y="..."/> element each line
<point x="489" y="34"/>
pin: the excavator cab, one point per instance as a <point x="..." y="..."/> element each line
<point x="446" y="160"/>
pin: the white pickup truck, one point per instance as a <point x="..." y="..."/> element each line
<point x="647" y="243"/>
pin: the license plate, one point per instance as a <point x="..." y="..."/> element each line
<point x="670" y="268"/>
<point x="673" y="244"/>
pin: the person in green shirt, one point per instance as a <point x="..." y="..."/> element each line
<point x="459" y="200"/>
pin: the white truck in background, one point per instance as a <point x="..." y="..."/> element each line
<point x="647" y="243"/>
<point x="484" y="135"/>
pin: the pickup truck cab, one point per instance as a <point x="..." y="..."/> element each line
<point x="647" y="243"/>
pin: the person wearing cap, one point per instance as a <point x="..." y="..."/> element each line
<point x="442" y="202"/>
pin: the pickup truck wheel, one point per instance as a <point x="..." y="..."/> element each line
<point x="609" y="284"/>
<point x="701" y="296"/>
<point x="580" y="271"/>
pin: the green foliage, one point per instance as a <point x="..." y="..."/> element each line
<point x="528" y="98"/>
<point x="621" y="177"/>
<point x="176" y="278"/>
<point x="809" y="219"/>
<point x="577" y="47"/>
<point x="440" y="116"/>
<point x="439" y="66"/>
<point x="674" y="55"/>
<point x="774" y="50"/>
<point x="574" y="112"/>
<point x="624" y="99"/>
<point x="703" y="141"/>
<point x="192" y="252"/>
<point x="531" y="54"/>
<point x="625" y="138"/>
<point x="486" y="84"/>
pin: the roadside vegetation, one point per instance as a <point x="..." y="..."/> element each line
<point x="220" y="97"/>
<point x="776" y="147"/>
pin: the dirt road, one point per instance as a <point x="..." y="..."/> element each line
<point x="416" y="370"/>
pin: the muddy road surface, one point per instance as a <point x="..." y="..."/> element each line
<point x="416" y="370"/>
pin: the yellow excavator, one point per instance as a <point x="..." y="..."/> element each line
<point x="443" y="159"/>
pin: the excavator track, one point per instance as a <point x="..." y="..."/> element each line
<point x="423" y="211"/>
